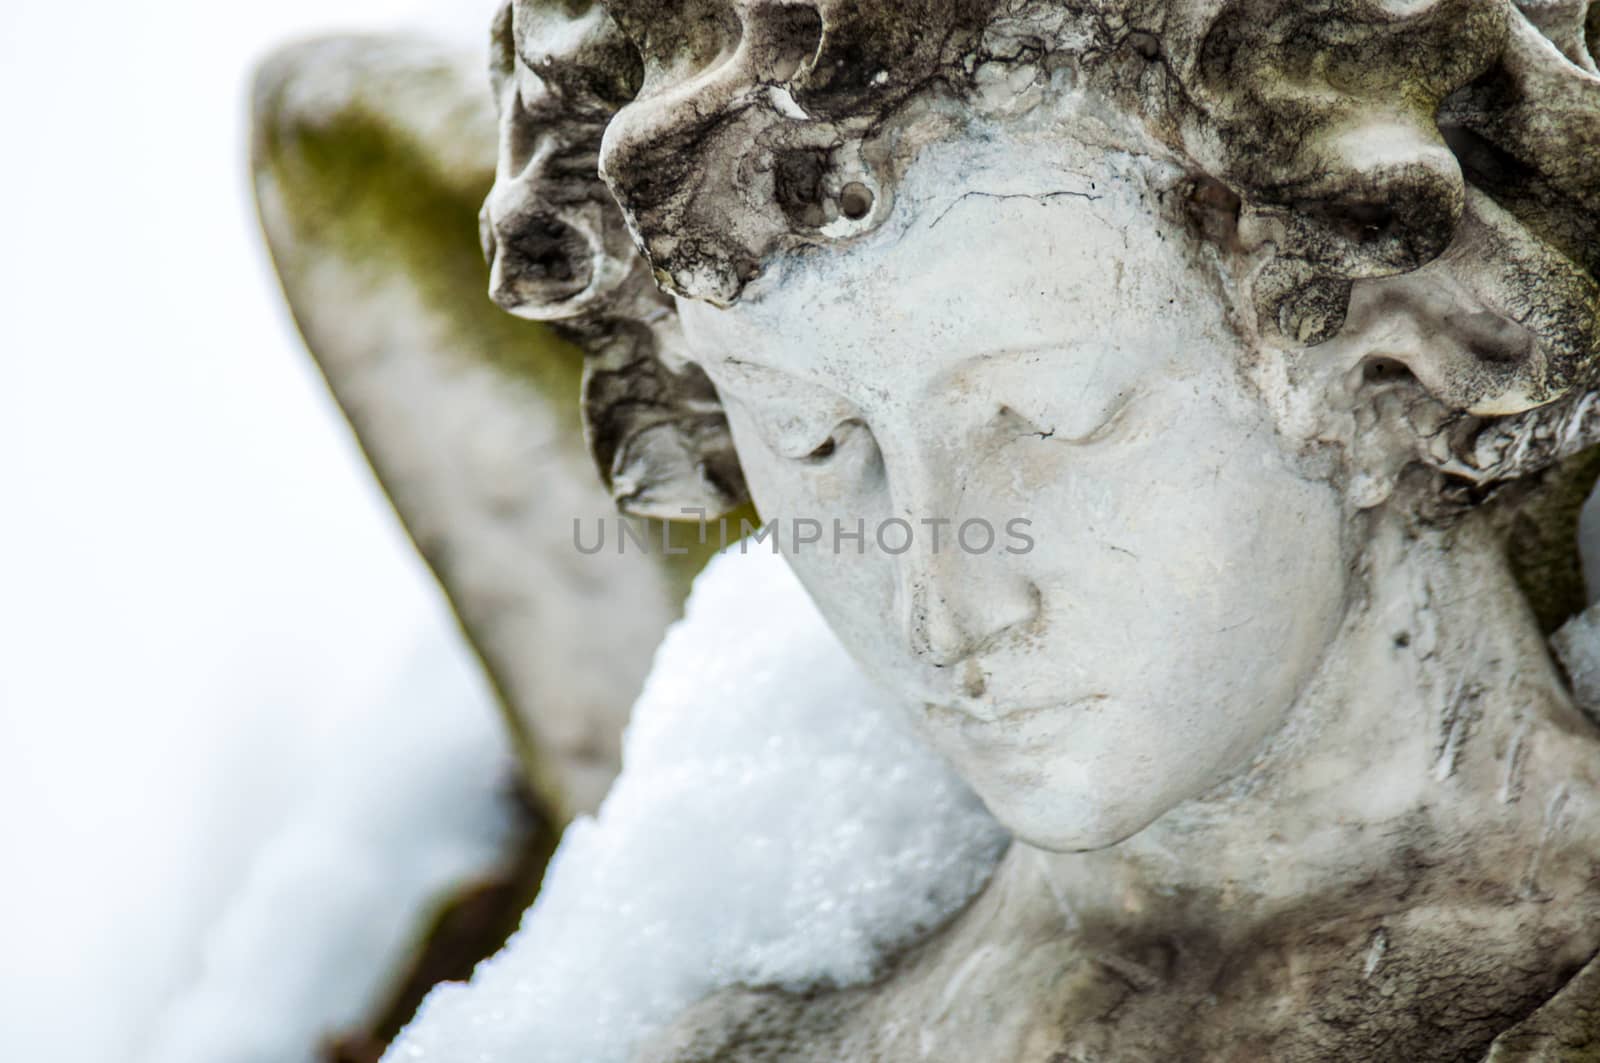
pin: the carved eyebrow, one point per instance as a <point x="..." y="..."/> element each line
<point x="1053" y="346"/>
<point x="763" y="374"/>
<point x="745" y="365"/>
<point x="742" y="363"/>
<point x="794" y="385"/>
<point x="760" y="374"/>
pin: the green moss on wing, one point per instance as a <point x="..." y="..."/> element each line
<point x="357" y="185"/>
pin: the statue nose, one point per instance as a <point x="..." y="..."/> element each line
<point x="934" y="629"/>
<point x="949" y="619"/>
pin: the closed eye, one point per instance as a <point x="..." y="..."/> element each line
<point x="1077" y="429"/>
<point x="825" y="450"/>
<point x="801" y="422"/>
<point x="1025" y="425"/>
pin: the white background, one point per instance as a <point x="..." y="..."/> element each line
<point x="197" y="572"/>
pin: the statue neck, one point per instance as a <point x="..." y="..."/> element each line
<point x="1435" y="716"/>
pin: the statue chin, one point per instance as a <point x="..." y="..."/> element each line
<point x="1051" y="823"/>
<point x="1060" y="809"/>
<point x="1082" y="775"/>
<point x="1047" y="791"/>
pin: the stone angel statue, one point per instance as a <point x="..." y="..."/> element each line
<point x="1276" y="325"/>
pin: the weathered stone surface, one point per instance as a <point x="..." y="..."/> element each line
<point x="1349" y="137"/>
<point x="1400" y="866"/>
<point x="1566" y="1030"/>
<point x="1019" y="979"/>
<point x="1279" y="322"/>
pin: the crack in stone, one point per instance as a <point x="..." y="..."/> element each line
<point x="1040" y="197"/>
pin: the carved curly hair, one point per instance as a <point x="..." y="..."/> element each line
<point x="676" y="146"/>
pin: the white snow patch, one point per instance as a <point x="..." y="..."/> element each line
<point x="406" y="803"/>
<point x="1577" y="644"/>
<point x="776" y="823"/>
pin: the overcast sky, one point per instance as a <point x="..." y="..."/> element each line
<point x="197" y="572"/>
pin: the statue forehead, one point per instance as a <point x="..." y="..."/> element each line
<point x="1005" y="250"/>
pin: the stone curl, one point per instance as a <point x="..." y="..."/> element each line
<point x="677" y="146"/>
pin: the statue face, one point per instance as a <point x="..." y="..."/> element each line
<point x="1031" y="343"/>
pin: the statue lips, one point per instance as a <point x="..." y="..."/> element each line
<point x="1004" y="728"/>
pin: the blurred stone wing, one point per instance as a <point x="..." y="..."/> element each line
<point x="371" y="156"/>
